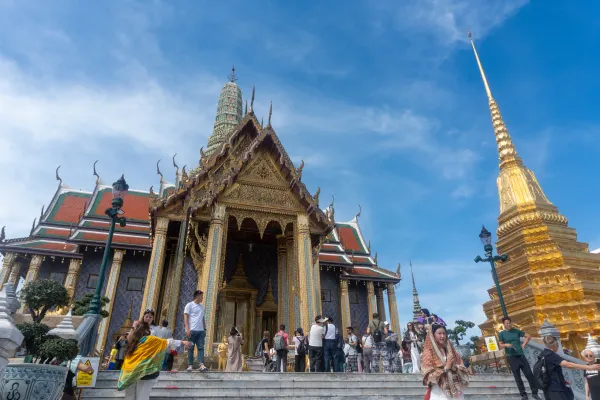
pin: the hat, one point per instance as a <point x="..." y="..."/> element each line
<point x="385" y="323"/>
<point x="323" y="320"/>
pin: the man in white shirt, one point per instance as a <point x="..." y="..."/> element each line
<point x="195" y="329"/>
<point x="315" y="345"/>
<point x="353" y="350"/>
<point x="367" y="345"/>
<point x="329" y="347"/>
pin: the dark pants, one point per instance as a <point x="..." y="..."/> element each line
<point x="168" y="362"/>
<point x="118" y="365"/>
<point x="315" y="355"/>
<point x="282" y="360"/>
<point x="197" y="338"/>
<point x="559" y="395"/>
<point x="330" y="352"/>
<point x="518" y="364"/>
<point x="300" y="363"/>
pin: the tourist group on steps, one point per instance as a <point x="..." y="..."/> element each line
<point x="425" y="349"/>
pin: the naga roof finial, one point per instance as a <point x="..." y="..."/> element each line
<point x="261" y="122"/>
<point x="42" y="214"/>
<point x="252" y="100"/>
<point x="3" y="234"/>
<point x="316" y="196"/>
<point x="158" y="171"/>
<point x="332" y="201"/>
<point x="246" y="108"/>
<point x="58" y="177"/>
<point x="398" y="272"/>
<point x="232" y="77"/>
<point x="375" y="258"/>
<point x="359" y="212"/>
<point x="32" y="227"/>
<point x="175" y="164"/>
<point x="202" y="155"/>
<point x="96" y="173"/>
<point x="270" y="114"/>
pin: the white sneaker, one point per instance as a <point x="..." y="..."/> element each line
<point x="189" y="368"/>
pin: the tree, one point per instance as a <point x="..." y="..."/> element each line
<point x="34" y="336"/>
<point x="459" y="331"/>
<point x="81" y="306"/>
<point x="42" y="295"/>
<point x="59" y="348"/>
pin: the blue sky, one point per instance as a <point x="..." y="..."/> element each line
<point x="382" y="99"/>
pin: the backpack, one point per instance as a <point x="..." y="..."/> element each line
<point x="302" y="347"/>
<point x="259" y="349"/>
<point x="540" y="374"/>
<point x="339" y="341"/>
<point x="377" y="334"/>
<point x="279" y="342"/>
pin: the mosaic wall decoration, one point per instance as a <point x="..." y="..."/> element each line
<point x="189" y="283"/>
<point x="48" y="267"/>
<point x="91" y="265"/>
<point x="135" y="267"/>
<point x="359" y="309"/>
<point x="330" y="287"/>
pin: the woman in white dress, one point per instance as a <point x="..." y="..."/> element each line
<point x="412" y="338"/>
<point x="442" y="367"/>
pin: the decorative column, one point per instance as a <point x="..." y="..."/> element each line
<point x="306" y="284"/>
<point x="283" y="288"/>
<point x="213" y="266"/>
<point x="15" y="273"/>
<point x="317" y="275"/>
<point x="258" y="325"/>
<point x="380" y="304"/>
<point x="371" y="299"/>
<point x="344" y="305"/>
<point x="155" y="268"/>
<point x="111" y="291"/>
<point x="252" y="317"/>
<point x="294" y="301"/>
<point x="7" y="264"/>
<point x="73" y="276"/>
<point x="32" y="272"/>
<point x="175" y="284"/>
<point x="394" y="318"/>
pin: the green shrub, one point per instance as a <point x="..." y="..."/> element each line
<point x="42" y="295"/>
<point x="59" y="348"/>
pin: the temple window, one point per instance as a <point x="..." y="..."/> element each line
<point x="91" y="282"/>
<point x="58" y="277"/>
<point x="354" y="298"/>
<point x="325" y="296"/>
<point x="135" y="284"/>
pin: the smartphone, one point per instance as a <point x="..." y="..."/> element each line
<point x="597" y="360"/>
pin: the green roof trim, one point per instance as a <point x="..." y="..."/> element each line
<point x="59" y="203"/>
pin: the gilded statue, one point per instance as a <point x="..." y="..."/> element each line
<point x="222" y="350"/>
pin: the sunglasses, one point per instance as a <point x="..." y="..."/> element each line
<point x="149" y="311"/>
<point x="588" y="355"/>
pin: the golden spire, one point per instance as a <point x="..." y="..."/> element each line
<point x="506" y="149"/>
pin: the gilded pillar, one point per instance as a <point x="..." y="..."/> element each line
<point x="73" y="277"/>
<point x="32" y="272"/>
<point x="371" y="299"/>
<point x="155" y="268"/>
<point x="15" y="273"/>
<point x="111" y="291"/>
<point x="283" y="289"/>
<point x="258" y="333"/>
<point x="213" y="265"/>
<point x="7" y="264"/>
<point x="251" y="327"/>
<point x="380" y="304"/>
<point x="394" y="318"/>
<point x="317" y="277"/>
<point x="294" y="300"/>
<point x="175" y="276"/>
<point x="344" y="305"/>
<point x="306" y="281"/>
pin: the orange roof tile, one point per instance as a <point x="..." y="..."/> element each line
<point x="53" y="232"/>
<point x="117" y="239"/>
<point x="42" y="244"/>
<point x="136" y="204"/>
<point x="332" y="258"/>
<point x="349" y="238"/>
<point x="68" y="207"/>
<point x="105" y="225"/>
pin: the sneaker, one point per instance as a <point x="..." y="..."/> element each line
<point x="524" y="397"/>
<point x="536" y="397"/>
<point x="202" y="368"/>
<point x="189" y="368"/>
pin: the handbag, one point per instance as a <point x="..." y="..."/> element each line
<point x="427" y="393"/>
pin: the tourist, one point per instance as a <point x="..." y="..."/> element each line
<point x="442" y="367"/>
<point x="165" y="333"/>
<point x="121" y="345"/>
<point x="592" y="378"/>
<point x="359" y="356"/>
<point x="74" y="366"/>
<point x="195" y="327"/>
<point x="112" y="359"/>
<point x="437" y="320"/>
<point x="558" y="389"/>
<point x="411" y="338"/>
<point x="266" y="353"/>
<point x="406" y="358"/>
<point x="510" y="341"/>
<point x="234" y="353"/>
<point x="376" y="328"/>
<point x="352" y="363"/>
<point x="389" y="355"/>
<point x="143" y="360"/>
<point x="367" y="348"/>
<point x="426" y="317"/>
<point x="149" y="319"/>
<point x="315" y="345"/>
<point x="329" y="346"/>
<point x="300" y="350"/>
<point x="280" y="344"/>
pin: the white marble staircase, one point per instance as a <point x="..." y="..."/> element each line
<point x="216" y="385"/>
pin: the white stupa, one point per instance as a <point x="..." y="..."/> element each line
<point x="65" y="329"/>
<point x="12" y="302"/>
<point x="593" y="345"/>
<point x="10" y="336"/>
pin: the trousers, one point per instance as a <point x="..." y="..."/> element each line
<point x="518" y="364"/>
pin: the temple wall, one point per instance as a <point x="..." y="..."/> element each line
<point x="189" y="283"/>
<point x="134" y="266"/>
<point x="50" y="266"/>
<point x="330" y="295"/>
<point x="91" y="266"/>
<point x="359" y="308"/>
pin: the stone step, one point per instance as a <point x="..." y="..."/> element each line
<point x="217" y="385"/>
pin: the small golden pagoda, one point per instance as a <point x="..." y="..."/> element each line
<point x="549" y="275"/>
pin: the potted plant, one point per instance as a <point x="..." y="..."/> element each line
<point x="457" y="334"/>
<point x="39" y="381"/>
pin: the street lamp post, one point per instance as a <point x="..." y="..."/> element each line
<point x="486" y="239"/>
<point x="88" y="329"/>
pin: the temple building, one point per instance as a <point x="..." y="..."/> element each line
<point x="549" y="275"/>
<point x="241" y="226"/>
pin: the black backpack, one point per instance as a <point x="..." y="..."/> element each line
<point x="302" y="347"/>
<point x="377" y="334"/>
<point x="540" y="373"/>
<point x="340" y="341"/>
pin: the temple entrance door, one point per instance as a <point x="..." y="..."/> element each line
<point x="236" y="313"/>
<point x="269" y="323"/>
